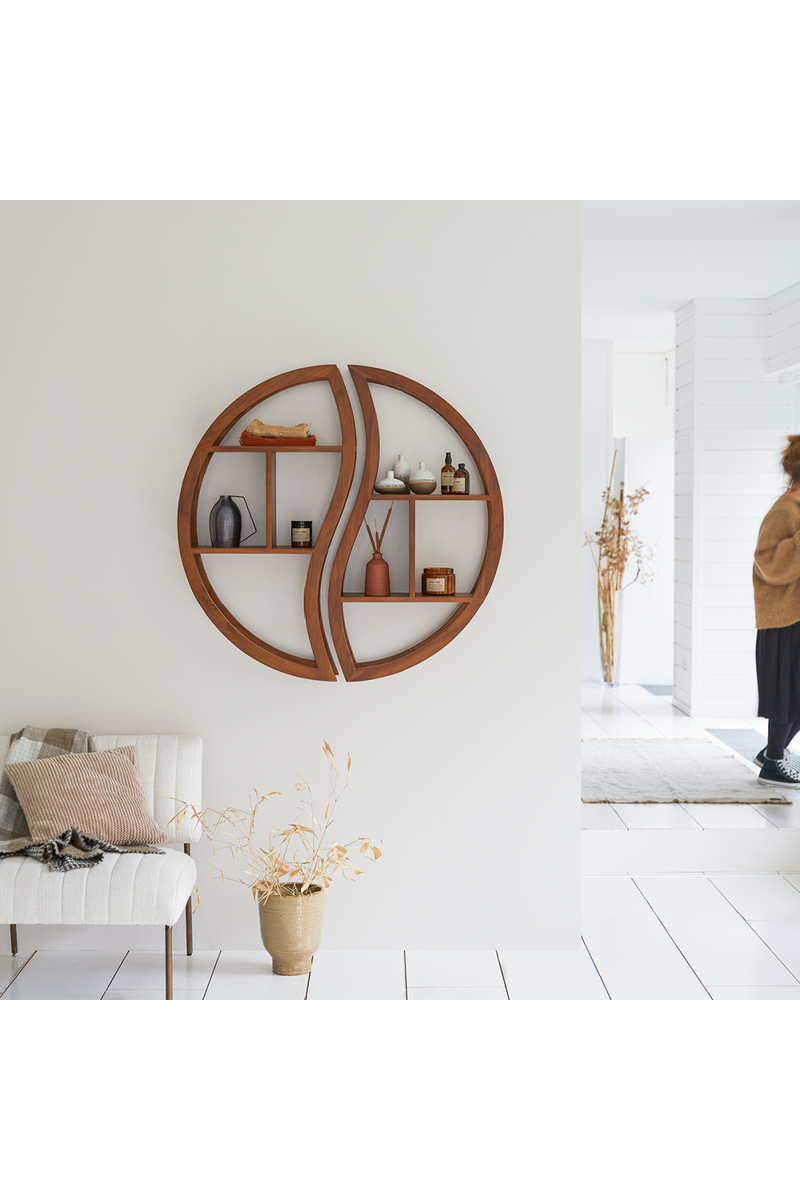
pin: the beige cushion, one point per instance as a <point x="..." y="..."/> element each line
<point x="99" y="794"/>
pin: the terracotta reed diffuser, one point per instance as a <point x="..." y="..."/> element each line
<point x="376" y="579"/>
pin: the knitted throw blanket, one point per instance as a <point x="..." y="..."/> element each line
<point x="70" y="850"/>
<point x="29" y="744"/>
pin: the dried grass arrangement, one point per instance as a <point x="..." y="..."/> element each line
<point x="377" y="541"/>
<point x="618" y="550"/>
<point x="288" y="860"/>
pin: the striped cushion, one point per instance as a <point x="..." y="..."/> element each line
<point x="99" y="794"/>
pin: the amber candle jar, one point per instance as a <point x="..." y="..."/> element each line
<point x="301" y="535"/>
<point x="438" y="581"/>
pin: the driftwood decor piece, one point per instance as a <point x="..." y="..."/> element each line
<point x="618" y="548"/>
<point x="323" y="666"/>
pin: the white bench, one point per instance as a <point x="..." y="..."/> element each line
<point x="123" y="889"/>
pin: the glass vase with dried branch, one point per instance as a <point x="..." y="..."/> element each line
<point x="619" y="550"/>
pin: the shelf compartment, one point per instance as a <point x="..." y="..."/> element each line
<point x="250" y="550"/>
<point x="273" y="450"/>
<point x="404" y="598"/>
<point x="431" y="496"/>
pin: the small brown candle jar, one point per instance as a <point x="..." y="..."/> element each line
<point x="438" y="581"/>
<point x="301" y="535"/>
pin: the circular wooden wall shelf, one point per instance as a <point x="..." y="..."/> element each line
<point x="323" y="666"/>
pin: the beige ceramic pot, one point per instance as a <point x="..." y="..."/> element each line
<point x="291" y="928"/>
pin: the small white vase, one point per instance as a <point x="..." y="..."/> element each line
<point x="390" y="485"/>
<point x="401" y="469"/>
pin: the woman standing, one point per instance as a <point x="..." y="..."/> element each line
<point x="776" y="583"/>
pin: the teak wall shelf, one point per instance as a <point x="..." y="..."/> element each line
<point x="322" y="666"/>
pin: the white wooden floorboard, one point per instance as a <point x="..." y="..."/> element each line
<point x="601" y="816"/>
<point x="782" y="816"/>
<point x="457" y="993"/>
<point x="759" y="897"/>
<point x="656" y="816"/>
<point x="755" y="993"/>
<point x="616" y="719"/>
<point x="359" y="975"/>
<point x="590" y="728"/>
<point x="590" y="985"/>
<point x="64" y="975"/>
<point x="551" y="975"/>
<point x="10" y="964"/>
<point x="151" y="994"/>
<point x="727" y="816"/>
<point x="247" y="975"/>
<point x="717" y="942"/>
<point x="733" y="723"/>
<point x="453" y="968"/>
<point x="636" y="958"/>
<point x="659" y="712"/>
<point x="782" y="935"/>
<point x="709" y="851"/>
<point x="146" y="969"/>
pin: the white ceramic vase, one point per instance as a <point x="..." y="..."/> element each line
<point x="402" y="470"/>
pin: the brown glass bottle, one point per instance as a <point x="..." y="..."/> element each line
<point x="448" y="475"/>
<point x="461" y="481"/>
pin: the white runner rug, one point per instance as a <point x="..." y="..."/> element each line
<point x="668" y="772"/>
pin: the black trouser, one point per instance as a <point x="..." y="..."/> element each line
<point x="779" y="736"/>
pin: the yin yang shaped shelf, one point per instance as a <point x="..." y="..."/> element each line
<point x="459" y="609"/>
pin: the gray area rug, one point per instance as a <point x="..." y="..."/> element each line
<point x="669" y="772"/>
<point x="748" y="742"/>
<point x="658" y="689"/>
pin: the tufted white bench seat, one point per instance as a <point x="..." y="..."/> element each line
<point x="123" y="889"/>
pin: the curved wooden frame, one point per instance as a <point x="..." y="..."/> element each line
<point x="322" y="666"/>
<point x="394" y="663"/>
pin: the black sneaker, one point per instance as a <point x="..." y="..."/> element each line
<point x="759" y="758"/>
<point x="779" y="771"/>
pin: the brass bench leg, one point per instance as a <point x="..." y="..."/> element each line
<point x="189" y="946"/>
<point x="14" y="946"/>
<point x="168" y="953"/>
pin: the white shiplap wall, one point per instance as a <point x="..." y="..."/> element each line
<point x="731" y="423"/>
<point x="783" y="330"/>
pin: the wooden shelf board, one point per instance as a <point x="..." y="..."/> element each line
<point x="249" y="550"/>
<point x="404" y="598"/>
<point x="273" y="449"/>
<point x="431" y="496"/>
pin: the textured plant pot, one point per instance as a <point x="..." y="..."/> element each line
<point x="291" y="928"/>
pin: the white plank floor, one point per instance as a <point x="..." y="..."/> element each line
<point x="684" y="935"/>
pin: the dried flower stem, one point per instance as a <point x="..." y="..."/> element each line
<point x="377" y="541"/>
<point x="294" y="853"/>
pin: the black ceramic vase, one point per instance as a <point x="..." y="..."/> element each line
<point x="225" y="523"/>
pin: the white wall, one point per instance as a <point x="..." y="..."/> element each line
<point x="644" y="394"/>
<point x="126" y="328"/>
<point x="783" y="330"/>
<point x="645" y="646"/>
<point x="731" y="423"/>
<point x="597" y="380"/>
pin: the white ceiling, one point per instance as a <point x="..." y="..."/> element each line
<point x="643" y="259"/>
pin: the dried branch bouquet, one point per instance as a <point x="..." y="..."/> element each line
<point x="287" y="860"/>
<point x="618" y="549"/>
<point x="377" y="541"/>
